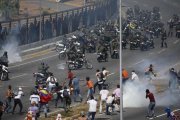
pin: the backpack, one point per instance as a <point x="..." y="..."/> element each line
<point x="65" y="93"/>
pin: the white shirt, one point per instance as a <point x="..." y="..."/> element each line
<point x="109" y="99"/>
<point x="51" y="78"/>
<point x="92" y="105"/>
<point x="117" y="92"/>
<point x="134" y="77"/>
<point x="61" y="91"/>
<point x="34" y="98"/>
<point x="104" y="94"/>
<point x="105" y="73"/>
<point x="18" y="96"/>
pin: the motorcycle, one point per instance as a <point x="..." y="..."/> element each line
<point x="62" y="54"/>
<point x="102" y="57"/>
<point x="40" y="79"/>
<point x="59" y="46"/>
<point x="3" y="72"/>
<point x="115" y="54"/>
<point x="150" y="43"/>
<point x="143" y="46"/>
<point x="91" y="48"/>
<point x="79" y="63"/>
<point x="134" y="44"/>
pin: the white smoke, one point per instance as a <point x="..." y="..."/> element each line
<point x="11" y="45"/>
<point x="134" y="95"/>
<point x="12" y="48"/>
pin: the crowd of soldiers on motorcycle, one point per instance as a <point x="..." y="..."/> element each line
<point x="101" y="39"/>
<point x="142" y="27"/>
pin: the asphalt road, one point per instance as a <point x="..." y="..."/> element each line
<point x="161" y="58"/>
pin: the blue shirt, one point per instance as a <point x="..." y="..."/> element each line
<point x="75" y="83"/>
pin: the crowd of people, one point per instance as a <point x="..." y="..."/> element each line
<point x="52" y="91"/>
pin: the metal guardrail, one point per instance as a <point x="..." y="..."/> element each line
<point x="57" y="24"/>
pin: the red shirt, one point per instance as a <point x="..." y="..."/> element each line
<point x="151" y="97"/>
<point x="70" y="75"/>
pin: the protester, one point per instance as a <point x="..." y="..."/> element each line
<point x="134" y="76"/>
<point x="150" y="72"/>
<point x="9" y="97"/>
<point x="99" y="82"/>
<point x="90" y="86"/>
<point x="34" y="98"/>
<point x="116" y="92"/>
<point x="65" y="94"/>
<point x="59" y="117"/>
<point x="45" y="97"/>
<point x="51" y="81"/>
<point x="92" y="108"/>
<point x="109" y="103"/>
<point x="125" y="75"/>
<point x="151" y="104"/>
<point x="70" y="77"/>
<point x="173" y="79"/>
<point x="77" y="92"/>
<point x="17" y="100"/>
<point x="103" y="96"/>
<point x="33" y="112"/>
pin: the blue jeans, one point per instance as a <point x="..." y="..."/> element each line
<point x="151" y="108"/>
<point x="45" y="107"/>
<point x="92" y="114"/>
<point x="9" y="105"/>
<point x="76" y="93"/>
<point x="90" y="92"/>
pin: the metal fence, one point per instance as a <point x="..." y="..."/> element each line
<point x="27" y="30"/>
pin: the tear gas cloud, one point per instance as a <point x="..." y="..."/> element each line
<point x="11" y="46"/>
<point x="134" y="91"/>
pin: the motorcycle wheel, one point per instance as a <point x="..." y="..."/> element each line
<point x="62" y="56"/>
<point x="4" y="76"/>
<point x="71" y="66"/>
<point x="88" y="65"/>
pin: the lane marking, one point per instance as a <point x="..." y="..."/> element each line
<point x="37" y="54"/>
<point x="19" y="76"/>
<point x="33" y="61"/>
<point x="151" y="53"/>
<point x="175" y="41"/>
<point x="139" y="62"/>
<point x="135" y="1"/>
<point x="73" y="4"/>
<point x="161" y="51"/>
<point x="164" y="114"/>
